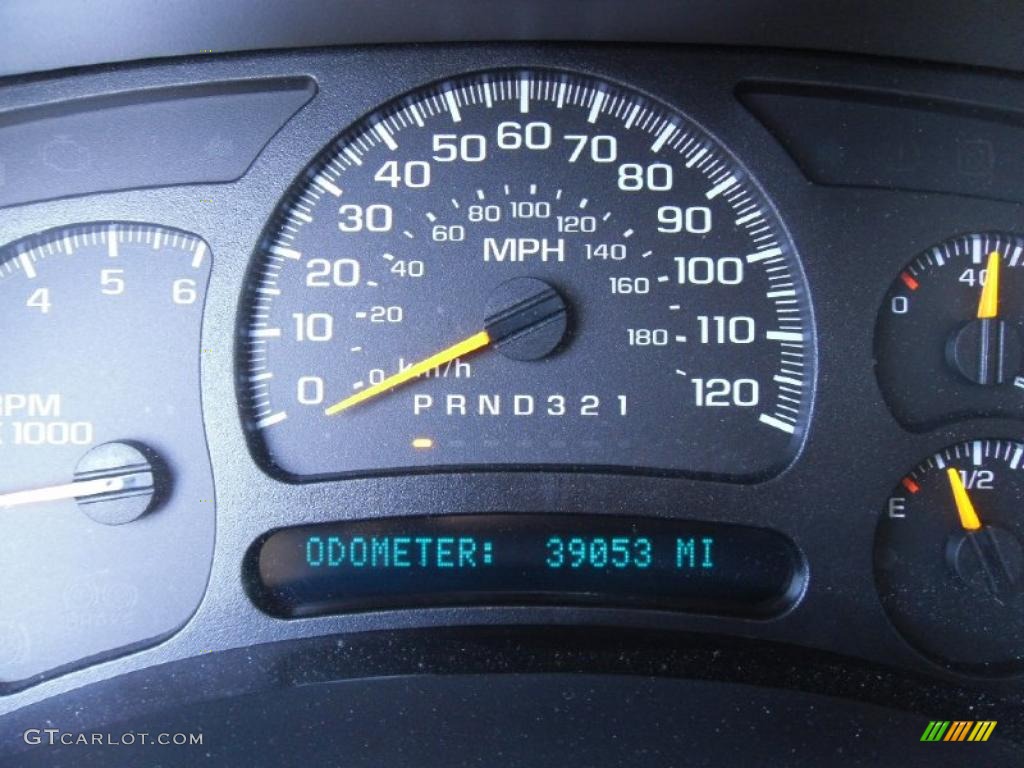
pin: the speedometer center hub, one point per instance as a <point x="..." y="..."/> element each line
<point x="526" y="318"/>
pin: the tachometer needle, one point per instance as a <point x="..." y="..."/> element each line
<point x="988" y="306"/>
<point x="475" y="342"/>
<point x="964" y="506"/>
<point x="78" y="490"/>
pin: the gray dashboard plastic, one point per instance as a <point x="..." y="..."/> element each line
<point x="142" y="138"/>
<point x="526" y="719"/>
<point x="930" y="145"/>
<point x="39" y="36"/>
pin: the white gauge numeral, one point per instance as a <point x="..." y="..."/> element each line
<point x="718" y="329"/>
<point x="184" y="291"/>
<point x="40" y="299"/>
<point x="386" y="314"/>
<point x="703" y="270"/>
<point x="530" y="209"/>
<point x="605" y="251"/>
<point x="978" y="479"/>
<point x="340" y="273"/>
<point x="111" y="282"/>
<point x="453" y="233"/>
<point x="696" y="220"/>
<point x="53" y="432"/>
<point x="471" y="148"/>
<point x="316" y="326"/>
<point x="488" y="213"/>
<point x="656" y="177"/>
<point x="647" y="337"/>
<point x="310" y="390"/>
<point x="630" y="285"/>
<point x="535" y="136"/>
<point x="408" y="268"/>
<point x="573" y="224"/>
<point x="722" y="393"/>
<point x="371" y="218"/>
<point x="414" y="174"/>
<point x="603" y="149"/>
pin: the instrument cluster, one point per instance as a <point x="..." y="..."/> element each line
<point x="547" y="334"/>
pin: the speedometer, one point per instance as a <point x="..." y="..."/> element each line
<point x="533" y="269"/>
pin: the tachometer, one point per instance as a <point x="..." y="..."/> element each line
<point x="530" y="269"/>
<point x="106" y="491"/>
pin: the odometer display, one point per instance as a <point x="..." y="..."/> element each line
<point x="416" y="562"/>
<point x="530" y="269"/>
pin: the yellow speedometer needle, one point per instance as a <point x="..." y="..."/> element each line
<point x="988" y="306"/>
<point x="964" y="506"/>
<point x="464" y="347"/>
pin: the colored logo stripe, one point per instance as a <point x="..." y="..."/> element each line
<point x="958" y="730"/>
<point x="982" y="730"/>
<point x="935" y="730"/>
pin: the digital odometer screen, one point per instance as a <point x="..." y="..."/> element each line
<point x="524" y="559"/>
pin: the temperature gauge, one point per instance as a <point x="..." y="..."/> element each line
<point x="949" y="563"/>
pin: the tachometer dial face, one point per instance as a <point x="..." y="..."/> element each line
<point x="949" y="560"/>
<point x="106" y="491"/>
<point x="949" y="334"/>
<point x="530" y="269"/>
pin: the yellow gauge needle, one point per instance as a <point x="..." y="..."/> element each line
<point x="988" y="307"/>
<point x="464" y="347"/>
<point x="964" y="506"/>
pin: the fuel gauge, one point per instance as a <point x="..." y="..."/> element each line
<point x="948" y="338"/>
<point x="949" y="560"/>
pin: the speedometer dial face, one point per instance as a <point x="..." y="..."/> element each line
<point x="529" y="269"/>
